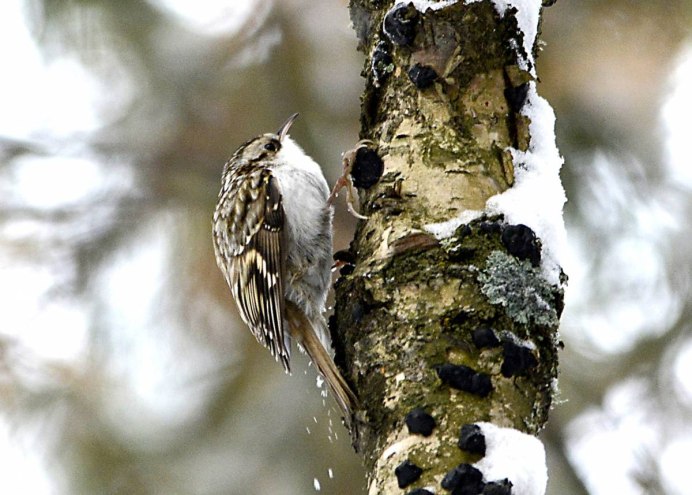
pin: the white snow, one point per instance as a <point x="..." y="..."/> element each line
<point x="423" y="5"/>
<point x="537" y="197"/>
<point x="511" y="336"/>
<point x="444" y="230"/>
<point x="528" y="12"/>
<point x="514" y="455"/>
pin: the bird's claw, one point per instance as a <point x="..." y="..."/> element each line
<point x="349" y="158"/>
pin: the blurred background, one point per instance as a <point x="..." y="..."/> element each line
<point x="123" y="366"/>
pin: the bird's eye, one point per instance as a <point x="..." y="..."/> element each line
<point x="271" y="146"/>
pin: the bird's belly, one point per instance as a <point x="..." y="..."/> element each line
<point x="308" y="229"/>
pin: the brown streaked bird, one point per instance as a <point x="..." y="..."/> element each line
<point x="272" y="232"/>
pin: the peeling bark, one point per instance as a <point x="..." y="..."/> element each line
<point x="442" y="105"/>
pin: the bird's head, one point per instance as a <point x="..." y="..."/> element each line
<point x="266" y="146"/>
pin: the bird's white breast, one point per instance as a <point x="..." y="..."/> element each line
<point x="304" y="192"/>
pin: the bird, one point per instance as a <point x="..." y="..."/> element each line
<point x="272" y="236"/>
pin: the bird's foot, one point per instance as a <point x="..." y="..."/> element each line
<point x="349" y="158"/>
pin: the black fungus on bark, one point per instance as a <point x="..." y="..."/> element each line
<point x="345" y="259"/>
<point x="406" y="473"/>
<point x="423" y="76"/>
<point x="420" y="422"/>
<point x="345" y="256"/>
<point x="517" y="359"/>
<point x="464" y="378"/>
<point x="462" y="231"/>
<point x="400" y="24"/>
<point x="347" y="269"/>
<point x="490" y="227"/>
<point x="484" y="337"/>
<point x="367" y="168"/>
<point x="516" y="96"/>
<point x="460" y="318"/>
<point x="463" y="480"/>
<point x="471" y="439"/>
<point x="502" y="487"/>
<point x="521" y="242"/>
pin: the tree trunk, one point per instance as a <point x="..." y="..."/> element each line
<point x="446" y="305"/>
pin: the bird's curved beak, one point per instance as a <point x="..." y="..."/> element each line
<point x="283" y="130"/>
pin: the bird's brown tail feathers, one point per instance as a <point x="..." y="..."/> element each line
<point x="302" y="330"/>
